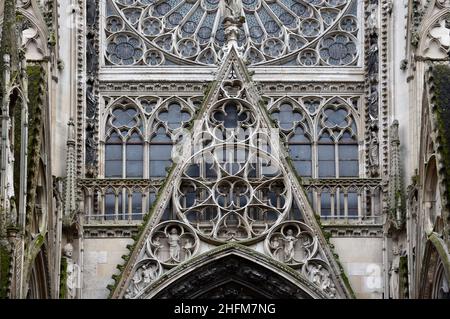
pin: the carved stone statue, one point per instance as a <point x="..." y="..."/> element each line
<point x="134" y="289"/>
<point x="372" y="63"/>
<point x="315" y="275"/>
<point x="374" y="153"/>
<point x="325" y="279"/>
<point x="289" y="245"/>
<point x="148" y="273"/>
<point x="72" y="272"/>
<point x="187" y="247"/>
<point x="174" y="244"/>
<point x="373" y="103"/>
<point x="144" y="275"/>
<point x="372" y="20"/>
<point x="394" y="275"/>
<point x="233" y="11"/>
<point x="275" y="244"/>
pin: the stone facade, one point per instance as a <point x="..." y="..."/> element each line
<point x="215" y="148"/>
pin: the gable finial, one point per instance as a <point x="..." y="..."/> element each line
<point x="233" y="20"/>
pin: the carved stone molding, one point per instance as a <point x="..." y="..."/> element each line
<point x="354" y="231"/>
<point x="110" y="231"/>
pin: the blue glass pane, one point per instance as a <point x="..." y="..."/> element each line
<point x="113" y="169"/>
<point x="114" y="138"/>
<point x="158" y="168"/>
<point x="326" y="152"/>
<point x="348" y="168"/>
<point x="348" y="152"/>
<point x="327" y="169"/>
<point x="299" y="136"/>
<point x="161" y="136"/>
<point x="137" y="206"/>
<point x="134" y="152"/>
<point x="113" y="152"/>
<point x="134" y="168"/>
<point x="134" y="164"/>
<point x="160" y="152"/>
<point x="303" y="168"/>
<point x="109" y="204"/>
<point x="325" y="204"/>
<point x="352" y="204"/>
<point x="300" y="152"/>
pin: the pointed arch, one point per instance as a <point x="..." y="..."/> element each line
<point x="227" y="268"/>
<point x="124" y="140"/>
<point x="435" y="273"/>
<point x="337" y="136"/>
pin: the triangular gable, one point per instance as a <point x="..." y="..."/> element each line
<point x="231" y="184"/>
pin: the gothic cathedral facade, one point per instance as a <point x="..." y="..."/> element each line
<point x="225" y="149"/>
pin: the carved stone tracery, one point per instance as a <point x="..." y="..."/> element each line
<point x="175" y="32"/>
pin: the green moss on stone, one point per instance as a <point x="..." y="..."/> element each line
<point x="403" y="276"/>
<point x="5" y="260"/>
<point x="63" y="279"/>
<point x="441" y="102"/>
<point x="35" y="106"/>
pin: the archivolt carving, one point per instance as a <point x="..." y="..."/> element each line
<point x="194" y="31"/>
<point x="293" y="243"/>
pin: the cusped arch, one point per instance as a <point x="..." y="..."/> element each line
<point x="228" y="269"/>
<point x="352" y="114"/>
<point x="154" y="121"/>
<point x="296" y="106"/>
<point x="122" y="102"/>
<point x="425" y="36"/>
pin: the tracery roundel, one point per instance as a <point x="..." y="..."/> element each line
<point x="232" y="188"/>
<point x="303" y="32"/>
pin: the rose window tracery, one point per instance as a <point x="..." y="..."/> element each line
<point x="232" y="188"/>
<point x="287" y="31"/>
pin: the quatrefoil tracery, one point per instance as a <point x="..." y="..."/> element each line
<point x="293" y="243"/>
<point x="172" y="242"/>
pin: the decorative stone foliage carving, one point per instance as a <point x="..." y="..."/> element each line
<point x="185" y="30"/>
<point x="293" y="243"/>
<point x="172" y="242"/>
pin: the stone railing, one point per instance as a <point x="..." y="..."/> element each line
<point x="126" y="201"/>
<point x="346" y="200"/>
<point x="116" y="201"/>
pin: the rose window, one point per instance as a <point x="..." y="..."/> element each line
<point x="273" y="31"/>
